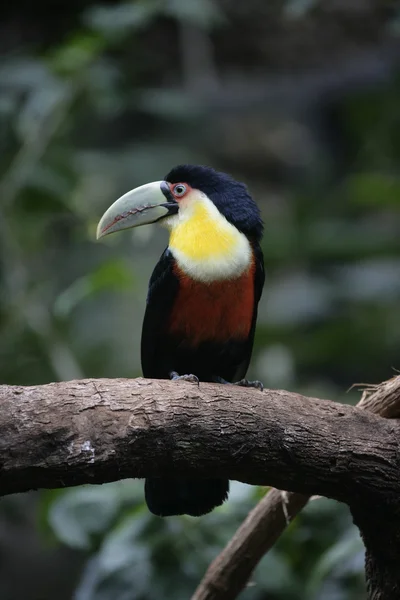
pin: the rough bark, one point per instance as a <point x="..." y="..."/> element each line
<point x="92" y="431"/>
<point x="382" y="399"/>
<point x="229" y="573"/>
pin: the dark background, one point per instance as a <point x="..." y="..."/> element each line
<point x="298" y="98"/>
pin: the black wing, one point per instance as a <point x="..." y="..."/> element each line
<point x="163" y="287"/>
<point x="158" y="349"/>
<point x="259" y="278"/>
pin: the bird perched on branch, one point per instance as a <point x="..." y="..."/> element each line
<point x="202" y="301"/>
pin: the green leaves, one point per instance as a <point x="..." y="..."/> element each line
<point x="137" y="554"/>
<point x="342" y="560"/>
<point x="121" y="567"/>
<point x="113" y="275"/>
<point x="117" y="21"/>
<point x="203" y="13"/>
<point x="74" y="56"/>
<point x="81" y="516"/>
<point x="374" y="189"/>
<point x="299" y="8"/>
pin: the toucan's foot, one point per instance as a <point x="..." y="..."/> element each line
<point x="250" y="384"/>
<point x="218" y="379"/>
<point x="191" y="378"/>
<point x="243" y="383"/>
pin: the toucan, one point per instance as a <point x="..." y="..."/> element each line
<point x="202" y="299"/>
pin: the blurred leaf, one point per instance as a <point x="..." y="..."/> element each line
<point x="370" y="280"/>
<point x="169" y="104"/>
<point x="298" y="8"/>
<point x="24" y="73"/>
<point x="374" y="189"/>
<point x="338" y="557"/>
<point x="81" y="513"/>
<point x="111" y="275"/>
<point x="122" y="18"/>
<point x="201" y="13"/>
<point x="39" y="105"/>
<point x="121" y="569"/>
<point x="78" y="516"/>
<point x="274" y="574"/>
<point x="394" y="25"/>
<point x="103" y="88"/>
<point x="47" y="499"/>
<point x="51" y="181"/>
<point x="77" y="53"/>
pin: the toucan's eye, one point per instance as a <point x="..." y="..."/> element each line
<point x="179" y="189"/>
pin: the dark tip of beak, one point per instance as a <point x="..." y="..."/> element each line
<point x="167" y="192"/>
<point x="171" y="203"/>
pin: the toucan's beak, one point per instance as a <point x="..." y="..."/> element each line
<point x="146" y="204"/>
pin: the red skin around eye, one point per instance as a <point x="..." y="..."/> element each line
<point x="172" y="187"/>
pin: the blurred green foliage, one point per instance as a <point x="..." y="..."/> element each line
<point x="114" y="102"/>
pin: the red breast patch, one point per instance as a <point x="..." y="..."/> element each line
<point x="216" y="312"/>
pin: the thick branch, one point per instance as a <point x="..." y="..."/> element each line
<point x="92" y="431"/>
<point x="228" y="574"/>
<point x="382" y="399"/>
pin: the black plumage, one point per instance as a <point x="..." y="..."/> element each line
<point x="163" y="352"/>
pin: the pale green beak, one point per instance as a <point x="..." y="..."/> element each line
<point x="146" y="204"/>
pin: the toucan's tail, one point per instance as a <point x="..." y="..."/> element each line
<point x="167" y="497"/>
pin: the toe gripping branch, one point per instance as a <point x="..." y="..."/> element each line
<point x="216" y="379"/>
<point x="188" y="377"/>
<point x="243" y="383"/>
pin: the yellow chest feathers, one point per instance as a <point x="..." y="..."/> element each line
<point x="205" y="245"/>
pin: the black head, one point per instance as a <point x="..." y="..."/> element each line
<point x="231" y="197"/>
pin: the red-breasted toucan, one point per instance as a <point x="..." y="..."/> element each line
<point x="203" y="294"/>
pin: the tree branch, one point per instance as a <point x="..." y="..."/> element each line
<point x="382" y="399"/>
<point x="93" y="431"/>
<point x="229" y="573"/>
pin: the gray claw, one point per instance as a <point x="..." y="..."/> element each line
<point x="251" y="384"/>
<point x="218" y="379"/>
<point x="188" y="377"/>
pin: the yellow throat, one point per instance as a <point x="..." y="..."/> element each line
<point x="206" y="246"/>
<point x="203" y="235"/>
